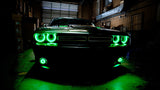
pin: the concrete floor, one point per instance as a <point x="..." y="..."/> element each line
<point x="125" y="82"/>
<point x="25" y="81"/>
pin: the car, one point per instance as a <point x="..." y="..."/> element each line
<point x="76" y="45"/>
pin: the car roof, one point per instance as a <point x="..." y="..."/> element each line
<point x="59" y="18"/>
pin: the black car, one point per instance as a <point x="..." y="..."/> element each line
<point x="76" y="45"/>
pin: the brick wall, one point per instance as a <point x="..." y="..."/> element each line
<point x="116" y="3"/>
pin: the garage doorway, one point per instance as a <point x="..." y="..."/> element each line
<point x="52" y="10"/>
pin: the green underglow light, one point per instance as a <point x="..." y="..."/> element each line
<point x="43" y="60"/>
<point x="123" y="82"/>
<point x="124" y="39"/>
<point x="116" y="39"/>
<point x="51" y="37"/>
<point x="39" y="37"/>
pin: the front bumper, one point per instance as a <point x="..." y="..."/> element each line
<point x="79" y="59"/>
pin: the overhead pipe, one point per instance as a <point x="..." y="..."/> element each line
<point x="110" y="12"/>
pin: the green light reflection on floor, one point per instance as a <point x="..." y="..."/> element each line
<point x="124" y="82"/>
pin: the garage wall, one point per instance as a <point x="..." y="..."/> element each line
<point x="141" y="16"/>
<point x="116" y="3"/>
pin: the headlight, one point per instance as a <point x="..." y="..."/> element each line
<point x="124" y="39"/>
<point x="39" y="37"/>
<point x="119" y="40"/>
<point x="51" y="37"/>
<point x="116" y="39"/>
<point x="45" y="39"/>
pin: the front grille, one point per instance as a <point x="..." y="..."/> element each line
<point x="84" y="40"/>
<point x="100" y="39"/>
<point x="73" y="38"/>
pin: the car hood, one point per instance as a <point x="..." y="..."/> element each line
<point x="78" y="30"/>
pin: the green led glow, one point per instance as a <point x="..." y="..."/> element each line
<point x="51" y="37"/>
<point x="46" y="39"/>
<point x="63" y="25"/>
<point x="123" y="82"/>
<point x="124" y="39"/>
<point x="120" y="60"/>
<point x="116" y="39"/>
<point x="43" y="60"/>
<point x="114" y="45"/>
<point x="45" y="67"/>
<point x="98" y="27"/>
<point x="39" y="37"/>
<point x="116" y="65"/>
<point x="123" y="45"/>
<point x="47" y="44"/>
<point x="52" y="44"/>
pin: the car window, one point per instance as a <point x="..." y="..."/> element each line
<point x="70" y="21"/>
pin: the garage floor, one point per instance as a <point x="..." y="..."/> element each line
<point x="28" y="78"/>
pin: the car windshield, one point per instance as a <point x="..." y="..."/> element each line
<point x="70" y="22"/>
